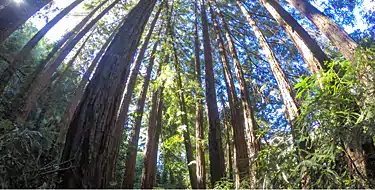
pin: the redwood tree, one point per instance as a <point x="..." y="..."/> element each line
<point x="217" y="168"/>
<point x="88" y="145"/>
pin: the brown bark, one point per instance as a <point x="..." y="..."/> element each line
<point x="287" y="92"/>
<point x="89" y="145"/>
<point x="40" y="83"/>
<point x="130" y="84"/>
<point x="13" y="15"/>
<point x="199" y="134"/>
<point x="18" y="59"/>
<point x="217" y="168"/>
<point x="242" y="159"/>
<point x="68" y="114"/>
<point x="153" y="134"/>
<point x="131" y="154"/>
<point x="306" y="45"/>
<point x="228" y="148"/>
<point x="250" y="123"/>
<point x="341" y="40"/>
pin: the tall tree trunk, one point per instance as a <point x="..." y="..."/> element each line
<point x="306" y="45"/>
<point x="185" y="121"/>
<point x="153" y="134"/>
<point x="89" y="144"/>
<point x="182" y="102"/>
<point x="68" y="114"/>
<point x="18" y="59"/>
<point x="65" y="39"/>
<point x="131" y="154"/>
<point x="40" y="83"/>
<point x="242" y="159"/>
<point x="13" y="15"/>
<point x="248" y="111"/>
<point x="217" y="168"/>
<point x="228" y="148"/>
<point x="199" y="134"/>
<point x="130" y="84"/>
<point x="343" y="42"/>
<point x="286" y="90"/>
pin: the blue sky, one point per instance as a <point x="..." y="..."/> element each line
<point x="73" y="18"/>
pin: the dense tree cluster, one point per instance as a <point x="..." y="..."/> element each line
<point x="187" y="94"/>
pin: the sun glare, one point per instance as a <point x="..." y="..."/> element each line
<point x="18" y="1"/>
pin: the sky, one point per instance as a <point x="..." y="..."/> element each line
<point x="74" y="17"/>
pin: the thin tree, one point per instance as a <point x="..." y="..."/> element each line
<point x="88" y="146"/>
<point x="217" y="168"/>
<point x="153" y="134"/>
<point x="66" y="39"/>
<point x="14" y="14"/>
<point x="312" y="54"/>
<point x="250" y="123"/>
<point x="228" y="141"/>
<point x="131" y="153"/>
<point x="340" y="39"/>
<point x="199" y="134"/>
<point x="18" y="59"/>
<point x="242" y="159"/>
<point x="40" y="83"/>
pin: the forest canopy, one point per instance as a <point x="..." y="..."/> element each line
<point x="198" y="94"/>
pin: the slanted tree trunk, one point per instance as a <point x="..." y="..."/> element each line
<point x="341" y="40"/>
<point x="306" y="45"/>
<point x="130" y="84"/>
<point x="18" y="59"/>
<point x="68" y="114"/>
<point x="250" y="123"/>
<point x="242" y="159"/>
<point x="13" y="15"/>
<point x="287" y="93"/>
<point x="64" y="40"/>
<point x="217" y="168"/>
<point x="199" y="134"/>
<point x="88" y="146"/>
<point x="153" y="134"/>
<point x="40" y="83"/>
<point x="131" y="154"/>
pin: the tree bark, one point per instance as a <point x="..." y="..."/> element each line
<point x="242" y="159"/>
<point x="250" y="123"/>
<point x="287" y="92"/>
<point x="343" y="42"/>
<point x="312" y="54"/>
<point x="199" y="134"/>
<point x="68" y="114"/>
<point x="131" y="154"/>
<point x="217" y="168"/>
<point x="89" y="145"/>
<point x="228" y="143"/>
<point x="13" y="15"/>
<point x="40" y="83"/>
<point x="153" y="134"/>
<point x="18" y="59"/>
